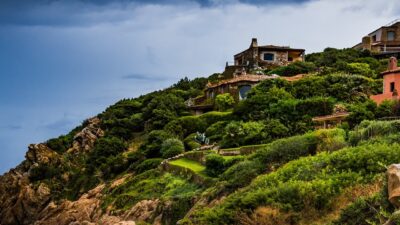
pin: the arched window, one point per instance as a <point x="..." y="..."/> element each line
<point x="243" y="91"/>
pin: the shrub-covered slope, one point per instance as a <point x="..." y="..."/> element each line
<point x="148" y="160"/>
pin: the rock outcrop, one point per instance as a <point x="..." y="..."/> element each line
<point x="85" y="139"/>
<point x="393" y="174"/>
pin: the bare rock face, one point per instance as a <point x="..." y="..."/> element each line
<point x="393" y="174"/>
<point x="84" y="140"/>
<point x="20" y="200"/>
<point x="143" y="210"/>
<point x="84" y="211"/>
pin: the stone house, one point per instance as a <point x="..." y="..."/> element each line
<point x="237" y="80"/>
<point x="267" y="56"/>
<point x="383" y="41"/>
<point x="391" y="83"/>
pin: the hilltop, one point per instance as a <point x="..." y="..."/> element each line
<point x="257" y="160"/>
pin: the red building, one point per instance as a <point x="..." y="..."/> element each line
<point x="391" y="83"/>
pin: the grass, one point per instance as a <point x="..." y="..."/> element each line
<point x="190" y="164"/>
<point x="226" y="157"/>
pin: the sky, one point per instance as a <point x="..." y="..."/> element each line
<point x="62" y="61"/>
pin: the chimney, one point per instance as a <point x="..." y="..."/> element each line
<point x="253" y="43"/>
<point x="392" y="63"/>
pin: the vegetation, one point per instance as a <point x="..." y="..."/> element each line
<point x="288" y="173"/>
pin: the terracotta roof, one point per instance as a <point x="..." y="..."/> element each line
<point x="275" y="47"/>
<point x="331" y="117"/>
<point x="239" y="78"/>
<point x="391" y="71"/>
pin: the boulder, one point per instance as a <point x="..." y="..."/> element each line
<point x="393" y="175"/>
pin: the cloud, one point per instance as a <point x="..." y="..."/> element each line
<point x="143" y="77"/>
<point x="11" y="127"/>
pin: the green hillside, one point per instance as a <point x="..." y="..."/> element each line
<point x="265" y="162"/>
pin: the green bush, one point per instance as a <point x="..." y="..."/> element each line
<point x="287" y="149"/>
<point x="330" y="139"/>
<point x="148" y="164"/>
<point x="172" y="147"/>
<point x="190" y="142"/>
<point x="215" y="131"/>
<point x="294" y="69"/>
<point x="241" y="174"/>
<point x="224" y="101"/>
<point x="309" y="181"/>
<point x="214" y="165"/>
<point x="372" y="129"/>
<point x="152" y="145"/>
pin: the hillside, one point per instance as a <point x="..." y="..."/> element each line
<point x="261" y="160"/>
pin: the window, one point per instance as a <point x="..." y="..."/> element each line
<point x="374" y="38"/>
<point x="290" y="58"/>
<point x="243" y="90"/>
<point x="269" y="57"/>
<point x="390" y="35"/>
<point x="391" y="86"/>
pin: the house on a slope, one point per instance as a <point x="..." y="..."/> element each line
<point x="239" y="78"/>
<point x="391" y="83"/>
<point x="384" y="41"/>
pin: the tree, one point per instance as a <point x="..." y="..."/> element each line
<point x="172" y="147"/>
<point x="224" y="101"/>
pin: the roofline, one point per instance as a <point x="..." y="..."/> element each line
<point x="386" y="26"/>
<point x="281" y="48"/>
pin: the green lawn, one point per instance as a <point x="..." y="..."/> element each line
<point x="226" y="157"/>
<point x="190" y="164"/>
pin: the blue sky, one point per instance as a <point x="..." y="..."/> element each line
<point x="64" y="61"/>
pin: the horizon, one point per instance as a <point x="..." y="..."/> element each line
<point x="65" y="61"/>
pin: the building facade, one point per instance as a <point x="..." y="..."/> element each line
<point x="268" y="56"/>
<point x="391" y="83"/>
<point x="384" y="40"/>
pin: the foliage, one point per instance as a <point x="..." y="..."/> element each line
<point x="294" y="69"/>
<point x="152" y="145"/>
<point x="162" y="109"/>
<point x="190" y="164"/>
<point x="214" y="165"/>
<point x="310" y="182"/>
<point x="287" y="149"/>
<point x="172" y="147"/>
<point x="372" y="129"/>
<point x="148" y="164"/>
<point x="106" y="156"/>
<point x="191" y="143"/>
<point x="224" y="101"/>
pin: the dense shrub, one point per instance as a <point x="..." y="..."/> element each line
<point x="215" y="131"/>
<point x="287" y="149"/>
<point x="311" y="182"/>
<point x="172" y="147"/>
<point x="104" y="152"/>
<point x="152" y="145"/>
<point x="191" y="143"/>
<point x="242" y="173"/>
<point x="148" y="164"/>
<point x="214" y="165"/>
<point x="372" y="129"/>
<point x="224" y="101"/>
<point x="330" y="139"/>
<point x="241" y="133"/>
<point x="294" y="69"/>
